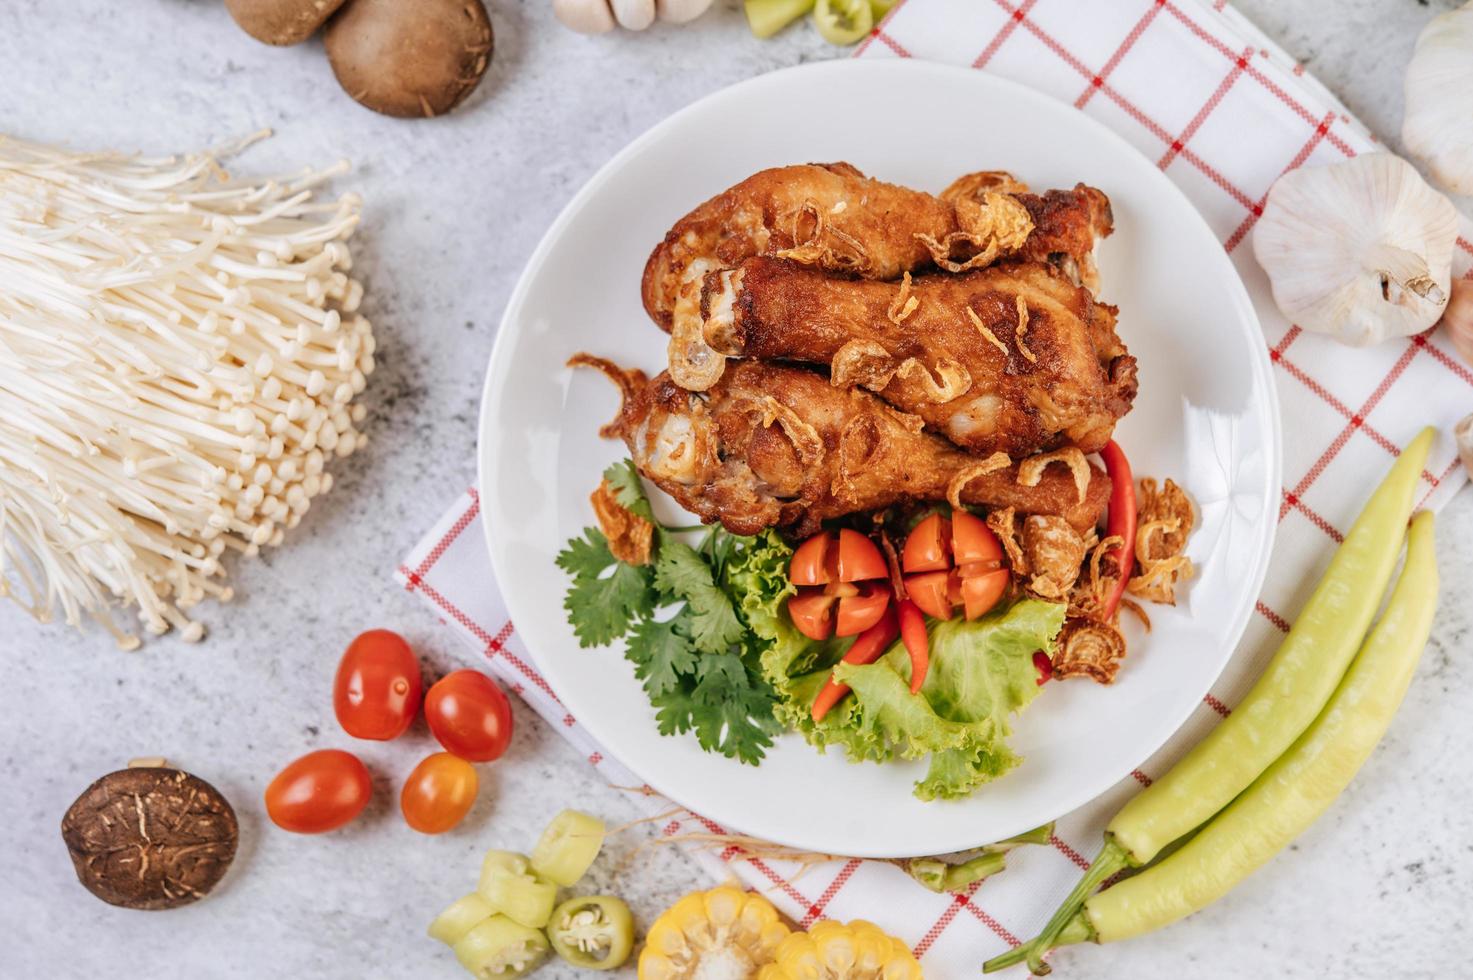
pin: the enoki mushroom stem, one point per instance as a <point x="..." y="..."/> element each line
<point x="179" y="354"/>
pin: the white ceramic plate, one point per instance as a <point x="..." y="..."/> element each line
<point x="1206" y="416"/>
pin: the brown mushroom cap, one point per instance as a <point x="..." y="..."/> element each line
<point x="281" y="21"/>
<point x="409" y="59"/>
<point x="150" y="838"/>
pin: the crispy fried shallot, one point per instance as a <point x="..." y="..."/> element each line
<point x="1089" y="649"/>
<point x="1030" y="471"/>
<point x="630" y="536"/>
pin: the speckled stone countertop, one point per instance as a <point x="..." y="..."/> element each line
<point x="1381" y="886"/>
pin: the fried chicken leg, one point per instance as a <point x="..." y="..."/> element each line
<point x="1012" y="358"/>
<point x="834" y="218"/>
<point x="777" y="446"/>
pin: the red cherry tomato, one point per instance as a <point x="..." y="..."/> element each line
<point x="859" y="612"/>
<point x="813" y="614"/>
<point x="809" y="563"/>
<point x="377" y="688"/>
<point x="438" y="793"/>
<point x="821" y="560"/>
<point x="972" y="540"/>
<point x="981" y="592"/>
<point x="469" y="715"/>
<point x="927" y="546"/>
<point x="319" y="792"/>
<point x="859" y="559"/>
<point x="929" y="591"/>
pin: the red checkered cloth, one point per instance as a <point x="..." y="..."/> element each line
<point x="1223" y="112"/>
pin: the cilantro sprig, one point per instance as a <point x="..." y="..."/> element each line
<point x="682" y="628"/>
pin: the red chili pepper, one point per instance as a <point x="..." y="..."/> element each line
<point x="1121" y="522"/>
<point x="1044" y="666"/>
<point x="866" y="650"/>
<point x="913" y="633"/>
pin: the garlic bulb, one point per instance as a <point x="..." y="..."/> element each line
<point x="1463" y="433"/>
<point x="1360" y="250"/>
<point x="1438" y="128"/>
<point x="1457" y="319"/>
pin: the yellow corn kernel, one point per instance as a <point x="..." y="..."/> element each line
<point x="721" y="934"/>
<point x="858" y="950"/>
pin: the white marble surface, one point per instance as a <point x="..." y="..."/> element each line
<point x="1381" y="886"/>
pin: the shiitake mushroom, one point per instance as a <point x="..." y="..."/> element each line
<point x="409" y="59"/>
<point x="281" y="22"/>
<point x="150" y="837"/>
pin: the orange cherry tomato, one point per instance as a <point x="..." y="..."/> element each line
<point x="972" y="540"/>
<point x="982" y="591"/>
<point x="377" y="688"/>
<point x="808" y="565"/>
<point x="469" y="715"/>
<point x="813" y="614"/>
<point x="858" y="613"/>
<point x="927" y="546"/>
<point x="319" y="792"/>
<point x="929" y="591"/>
<point x="859" y="559"/>
<point x="438" y="793"/>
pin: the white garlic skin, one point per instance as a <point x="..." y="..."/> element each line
<point x="1360" y="250"/>
<point x="1463" y="433"/>
<point x="1457" y="319"/>
<point x="1438" y="126"/>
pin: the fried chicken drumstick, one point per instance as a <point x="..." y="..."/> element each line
<point x="777" y="446"/>
<point x="833" y="217"/>
<point x="1012" y="358"/>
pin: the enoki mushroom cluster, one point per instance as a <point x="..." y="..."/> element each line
<point x="179" y="353"/>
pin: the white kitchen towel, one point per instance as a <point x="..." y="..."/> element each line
<point x="1223" y="112"/>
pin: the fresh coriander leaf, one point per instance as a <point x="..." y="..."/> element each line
<point x="623" y="477"/>
<point x="681" y="572"/>
<point x="721" y="676"/>
<point x="603" y="605"/>
<point x="673" y="712"/>
<point x="588" y="556"/>
<point x="661" y="654"/>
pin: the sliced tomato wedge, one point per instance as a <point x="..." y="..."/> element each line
<point x="972" y="540"/>
<point x="809" y="565"/>
<point x="859" y="558"/>
<point x="928" y="590"/>
<point x="859" y="612"/>
<point x="927" y="547"/>
<point x="1044" y="666"/>
<point x="813" y="614"/>
<point x="981" y="592"/>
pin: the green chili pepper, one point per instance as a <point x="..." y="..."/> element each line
<point x="1285" y="700"/>
<point x="511" y="888"/>
<point x="939" y="876"/>
<point x="1293" y="792"/>
<point x="499" y="949"/>
<point x="595" y="932"/>
<point x="568" y="846"/>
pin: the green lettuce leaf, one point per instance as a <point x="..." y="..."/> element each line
<point x="981" y="673"/>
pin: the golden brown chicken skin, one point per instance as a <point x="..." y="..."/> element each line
<point x="777" y="446"/>
<point x="1066" y="224"/>
<point x="1012" y="358"/>
<point x="834" y="218"/>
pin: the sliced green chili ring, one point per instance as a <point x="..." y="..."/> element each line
<point x="460" y="917"/>
<point x="499" y="949"/>
<point x="595" y="932"/>
<point x="508" y="883"/>
<point x="843" y="21"/>
<point x="568" y="847"/>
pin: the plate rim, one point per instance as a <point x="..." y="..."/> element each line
<point x="1261" y="366"/>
